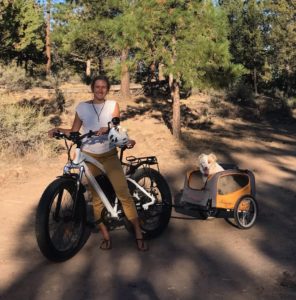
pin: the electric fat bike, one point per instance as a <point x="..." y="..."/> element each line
<point x="61" y="220"/>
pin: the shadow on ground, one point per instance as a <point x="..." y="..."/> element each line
<point x="201" y="117"/>
<point x="193" y="259"/>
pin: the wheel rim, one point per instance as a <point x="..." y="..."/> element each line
<point x="64" y="230"/>
<point x="149" y="219"/>
<point x="246" y="212"/>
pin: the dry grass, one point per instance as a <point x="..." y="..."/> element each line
<point x="23" y="130"/>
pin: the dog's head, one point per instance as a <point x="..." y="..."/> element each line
<point x="206" y="163"/>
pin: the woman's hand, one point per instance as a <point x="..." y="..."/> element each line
<point x="130" y="144"/>
<point x="52" y="131"/>
<point x="102" y="131"/>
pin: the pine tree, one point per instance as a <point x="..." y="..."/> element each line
<point x="47" y="37"/>
<point x="111" y="27"/>
<point x="247" y="36"/>
<point x="189" y="39"/>
<point x="282" y="43"/>
<point x="21" y="30"/>
<point x="8" y="30"/>
<point x="123" y="30"/>
<point x="78" y="33"/>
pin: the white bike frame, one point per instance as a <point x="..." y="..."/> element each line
<point x="80" y="163"/>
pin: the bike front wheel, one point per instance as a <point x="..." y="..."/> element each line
<point x="155" y="219"/>
<point x="60" y="220"/>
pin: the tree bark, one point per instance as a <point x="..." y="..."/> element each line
<point x="48" y="46"/>
<point x="288" y="80"/>
<point x="171" y="81"/>
<point x="160" y="72"/>
<point x="255" y="81"/>
<point x="125" y="76"/>
<point x="152" y="72"/>
<point x="101" y="65"/>
<point x="175" y="92"/>
<point x="88" y="68"/>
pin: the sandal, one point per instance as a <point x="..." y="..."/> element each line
<point x="142" y="245"/>
<point x="106" y="244"/>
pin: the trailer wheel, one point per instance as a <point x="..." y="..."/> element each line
<point x="245" y="212"/>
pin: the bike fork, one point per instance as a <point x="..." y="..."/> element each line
<point x="75" y="198"/>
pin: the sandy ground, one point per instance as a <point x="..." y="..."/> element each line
<point x="193" y="259"/>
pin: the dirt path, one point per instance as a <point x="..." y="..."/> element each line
<point x="193" y="259"/>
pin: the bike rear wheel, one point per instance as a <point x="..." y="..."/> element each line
<point x="155" y="219"/>
<point x="60" y="221"/>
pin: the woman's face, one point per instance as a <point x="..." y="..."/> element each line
<point x="100" y="90"/>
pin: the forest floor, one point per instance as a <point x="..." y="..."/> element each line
<point x="193" y="258"/>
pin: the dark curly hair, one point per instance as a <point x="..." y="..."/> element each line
<point x="100" y="77"/>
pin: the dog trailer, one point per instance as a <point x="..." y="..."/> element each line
<point x="230" y="193"/>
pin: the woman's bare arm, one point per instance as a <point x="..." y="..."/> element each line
<point x="75" y="127"/>
<point x="116" y="112"/>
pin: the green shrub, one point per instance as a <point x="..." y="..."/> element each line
<point x="14" y="78"/>
<point x="23" y="130"/>
<point x="291" y="102"/>
<point x="241" y="94"/>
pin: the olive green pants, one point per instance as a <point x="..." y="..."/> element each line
<point x="114" y="172"/>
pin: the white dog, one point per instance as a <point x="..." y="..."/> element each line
<point x="208" y="165"/>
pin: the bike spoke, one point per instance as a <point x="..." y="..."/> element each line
<point x="62" y="229"/>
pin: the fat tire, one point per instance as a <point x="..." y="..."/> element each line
<point x="44" y="241"/>
<point x="166" y="197"/>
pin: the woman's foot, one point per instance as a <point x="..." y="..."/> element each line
<point x="106" y="241"/>
<point x="142" y="244"/>
<point x="106" y="244"/>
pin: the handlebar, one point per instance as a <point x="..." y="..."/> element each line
<point x="75" y="137"/>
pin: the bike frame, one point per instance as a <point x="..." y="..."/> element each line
<point x="80" y="163"/>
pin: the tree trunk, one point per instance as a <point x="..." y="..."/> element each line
<point x="152" y="72"/>
<point x="288" y="80"/>
<point x="160" y="72"/>
<point x="171" y="81"/>
<point x="101" y="65"/>
<point x="175" y="92"/>
<point x="48" y="47"/>
<point x="125" y="77"/>
<point x="255" y="81"/>
<point x="88" y="68"/>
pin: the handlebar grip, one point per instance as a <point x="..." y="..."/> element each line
<point x="124" y="147"/>
<point x="57" y="135"/>
<point x="90" y="133"/>
<point x="115" y="121"/>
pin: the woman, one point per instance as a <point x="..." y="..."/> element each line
<point x="94" y="115"/>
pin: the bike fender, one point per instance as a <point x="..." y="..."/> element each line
<point x="73" y="177"/>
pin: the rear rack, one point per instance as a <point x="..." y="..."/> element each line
<point x="149" y="160"/>
<point x="133" y="163"/>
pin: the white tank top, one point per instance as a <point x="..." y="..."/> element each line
<point x="88" y="114"/>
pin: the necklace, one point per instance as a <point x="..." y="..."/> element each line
<point x="98" y="114"/>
